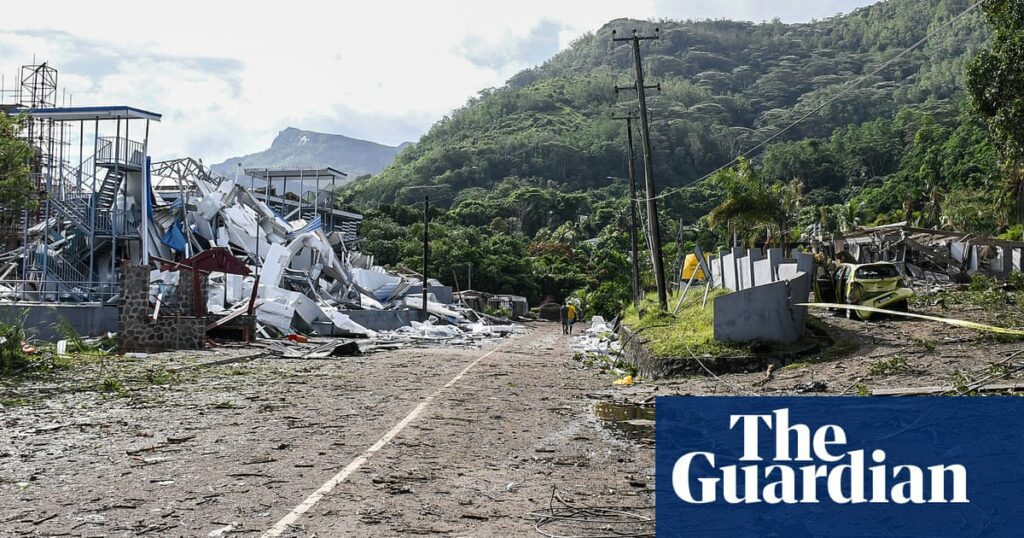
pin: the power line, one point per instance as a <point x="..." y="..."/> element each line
<point x="849" y="86"/>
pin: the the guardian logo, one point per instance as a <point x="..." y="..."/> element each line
<point x="810" y="467"/>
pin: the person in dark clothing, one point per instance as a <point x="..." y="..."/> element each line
<point x="563" y="315"/>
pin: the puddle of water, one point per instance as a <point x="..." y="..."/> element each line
<point x="631" y="420"/>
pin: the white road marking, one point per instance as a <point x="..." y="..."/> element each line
<point x="323" y="490"/>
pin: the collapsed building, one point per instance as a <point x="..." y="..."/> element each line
<point x="106" y="210"/>
<point x="928" y="254"/>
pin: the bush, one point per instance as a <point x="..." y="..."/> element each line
<point x="12" y="358"/>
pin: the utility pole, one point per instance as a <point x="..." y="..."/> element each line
<point x="645" y="131"/>
<point x="426" y="250"/>
<point x="634" y="257"/>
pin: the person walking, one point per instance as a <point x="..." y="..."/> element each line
<point x="563" y="316"/>
<point x="572" y="316"/>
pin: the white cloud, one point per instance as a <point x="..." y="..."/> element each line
<point x="228" y="76"/>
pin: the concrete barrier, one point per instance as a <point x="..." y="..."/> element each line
<point x="765" y="292"/>
<point x="759" y="314"/>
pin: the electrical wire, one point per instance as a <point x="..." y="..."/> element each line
<point x="847" y="88"/>
<point x="595" y="521"/>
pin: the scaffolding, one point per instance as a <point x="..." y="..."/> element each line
<point x="36" y="90"/>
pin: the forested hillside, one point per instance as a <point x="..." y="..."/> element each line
<point x="533" y="158"/>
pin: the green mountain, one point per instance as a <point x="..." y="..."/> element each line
<point x="725" y="86"/>
<point x="521" y="192"/>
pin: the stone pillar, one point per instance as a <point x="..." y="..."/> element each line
<point x="186" y="302"/>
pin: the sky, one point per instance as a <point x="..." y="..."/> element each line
<point x="228" y="75"/>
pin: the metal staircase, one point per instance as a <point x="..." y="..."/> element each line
<point x="107" y="190"/>
<point x="86" y="201"/>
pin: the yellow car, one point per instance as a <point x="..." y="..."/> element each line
<point x="871" y="284"/>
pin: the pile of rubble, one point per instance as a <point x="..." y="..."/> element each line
<point x="298" y="274"/>
<point x="600" y="340"/>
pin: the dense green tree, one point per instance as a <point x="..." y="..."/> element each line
<point x="726" y="86"/>
<point x="996" y="83"/>
<point x="17" y="191"/>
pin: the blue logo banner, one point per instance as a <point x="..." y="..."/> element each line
<point x="833" y="466"/>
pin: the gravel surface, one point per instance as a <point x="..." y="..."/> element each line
<point x="165" y="446"/>
<point x="180" y="450"/>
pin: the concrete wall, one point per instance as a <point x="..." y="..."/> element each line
<point x="41" y="319"/>
<point x="443" y="293"/>
<point x="765" y="292"/>
<point x="729" y="280"/>
<point x="758" y="314"/>
<point x="764" y="272"/>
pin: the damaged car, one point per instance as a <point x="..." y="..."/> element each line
<point x="878" y="285"/>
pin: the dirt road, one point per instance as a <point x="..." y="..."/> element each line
<point x="235" y="449"/>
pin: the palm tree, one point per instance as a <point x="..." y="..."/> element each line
<point x="934" y="205"/>
<point x="847" y="215"/>
<point x="751" y="203"/>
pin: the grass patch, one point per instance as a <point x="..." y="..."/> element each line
<point x="78" y="346"/>
<point x="985" y="292"/>
<point x="691" y="330"/>
<point x="927" y="343"/>
<point x="112" y="386"/>
<point x="997" y="369"/>
<point x="962" y="384"/>
<point x="161" y="377"/>
<point x="895" y="365"/>
<point x="13" y="402"/>
<point x="12" y="358"/>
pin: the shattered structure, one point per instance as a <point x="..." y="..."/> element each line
<point x="932" y="255"/>
<point x="104" y="205"/>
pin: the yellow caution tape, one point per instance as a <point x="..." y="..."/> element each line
<point x="948" y="321"/>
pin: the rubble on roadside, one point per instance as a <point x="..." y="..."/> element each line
<point x="599" y="340"/>
<point x="414" y="335"/>
<point x="307" y="275"/>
